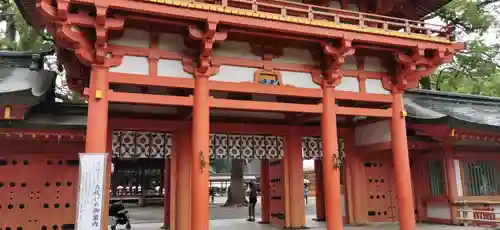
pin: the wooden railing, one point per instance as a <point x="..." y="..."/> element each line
<point x="311" y="14"/>
<point x="478" y="215"/>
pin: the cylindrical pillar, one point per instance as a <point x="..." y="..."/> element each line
<point x="96" y="138"/>
<point x="166" y="196"/>
<point x="451" y="179"/>
<point x="349" y="181"/>
<point x="320" y="191"/>
<point x="401" y="162"/>
<point x="295" y="178"/>
<point x="331" y="174"/>
<point x="200" y="154"/>
<point x="183" y="183"/>
<point x="264" y="191"/>
<point x="97" y="118"/>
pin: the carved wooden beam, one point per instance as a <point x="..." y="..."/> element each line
<point x="67" y="29"/>
<point x="208" y="38"/>
<point x="418" y="65"/>
<point x="336" y="59"/>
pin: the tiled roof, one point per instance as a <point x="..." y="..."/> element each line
<point x="22" y="78"/>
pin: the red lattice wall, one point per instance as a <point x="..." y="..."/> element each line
<point x="277" y="193"/>
<point x="38" y="191"/>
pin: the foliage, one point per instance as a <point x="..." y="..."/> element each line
<point x="20" y="36"/>
<point x="473" y="70"/>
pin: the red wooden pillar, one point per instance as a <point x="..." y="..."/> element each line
<point x="200" y="154"/>
<point x="264" y="191"/>
<point x="166" y="196"/>
<point x="451" y="179"/>
<point x="320" y="191"/>
<point x="349" y="181"/>
<point x="331" y="174"/>
<point x="401" y="160"/>
<point x="183" y="183"/>
<point x="295" y="179"/>
<point x="97" y="126"/>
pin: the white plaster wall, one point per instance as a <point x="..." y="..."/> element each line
<point x="374" y="64"/>
<point x="350" y="63"/>
<point x="439" y="211"/>
<point x="350" y="84"/>
<point x="235" y="49"/>
<point x="134" y="38"/>
<point x="171" y="42"/>
<point x="132" y="65"/>
<point x="375" y="86"/>
<point x="373" y="133"/>
<point x="172" y="68"/>
<point x="229" y="73"/>
<point x="296" y="56"/>
<point x="298" y="79"/>
<point x="458" y="176"/>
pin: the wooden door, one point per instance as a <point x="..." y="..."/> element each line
<point x="381" y="194"/>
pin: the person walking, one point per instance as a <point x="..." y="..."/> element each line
<point x="306" y="193"/>
<point x="252" y="198"/>
<point x="212" y="194"/>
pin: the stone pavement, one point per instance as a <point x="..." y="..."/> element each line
<point x="244" y="225"/>
<point x="154" y="214"/>
<point x="224" y="218"/>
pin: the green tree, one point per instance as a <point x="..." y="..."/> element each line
<point x="18" y="35"/>
<point x="474" y="70"/>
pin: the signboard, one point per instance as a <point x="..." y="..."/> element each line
<point x="91" y="192"/>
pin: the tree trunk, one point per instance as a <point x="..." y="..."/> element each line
<point x="236" y="193"/>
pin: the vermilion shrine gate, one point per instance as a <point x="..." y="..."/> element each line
<point x="189" y="80"/>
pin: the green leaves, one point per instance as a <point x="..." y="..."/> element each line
<point x="18" y="35"/>
<point x="474" y="70"/>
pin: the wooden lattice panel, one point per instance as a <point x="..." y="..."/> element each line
<point x="38" y="191"/>
<point x="141" y="144"/>
<point x="237" y="146"/>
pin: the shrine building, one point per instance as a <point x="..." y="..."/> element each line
<point x="172" y="84"/>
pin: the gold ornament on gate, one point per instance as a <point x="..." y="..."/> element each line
<point x="202" y="161"/>
<point x="337" y="160"/>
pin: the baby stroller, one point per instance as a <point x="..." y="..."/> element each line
<point x="118" y="216"/>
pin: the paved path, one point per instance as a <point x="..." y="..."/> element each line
<point x="224" y="218"/>
<point x="154" y="214"/>
<point x="244" y="225"/>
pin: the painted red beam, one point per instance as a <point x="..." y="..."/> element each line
<point x="247" y="87"/>
<point x="174" y="82"/>
<point x="149" y="99"/>
<point x="135" y="79"/>
<point x="353" y="111"/>
<point x="263" y="106"/>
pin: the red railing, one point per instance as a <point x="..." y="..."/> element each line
<point x="287" y="9"/>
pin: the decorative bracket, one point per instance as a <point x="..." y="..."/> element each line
<point x="71" y="36"/>
<point x="335" y="60"/>
<point x="208" y="38"/>
<point x="418" y="65"/>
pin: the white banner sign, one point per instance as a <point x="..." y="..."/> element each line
<point x="91" y="191"/>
